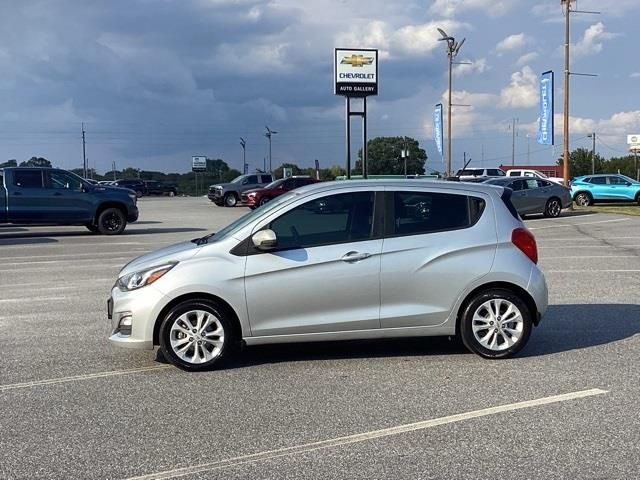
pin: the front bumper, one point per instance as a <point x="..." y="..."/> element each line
<point x="215" y="195"/>
<point x="248" y="201"/>
<point x="143" y="306"/>
<point x="133" y="214"/>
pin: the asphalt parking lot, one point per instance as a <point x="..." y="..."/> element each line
<point x="73" y="406"/>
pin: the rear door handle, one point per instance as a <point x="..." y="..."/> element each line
<point x="57" y="194"/>
<point x="355" y="257"/>
<point x="17" y="193"/>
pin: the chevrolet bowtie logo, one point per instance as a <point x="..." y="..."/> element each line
<point x="357" y="60"/>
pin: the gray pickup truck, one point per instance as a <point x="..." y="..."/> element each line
<point x="49" y="196"/>
<point x="228" y="194"/>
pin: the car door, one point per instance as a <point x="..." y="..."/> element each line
<point x="598" y="188"/>
<point x="540" y="192"/>
<point x="251" y="181"/>
<point x="521" y="197"/>
<point x="617" y="188"/>
<point x="70" y="202"/>
<point x="324" y="275"/>
<point x="27" y="200"/>
<point x="436" y="243"/>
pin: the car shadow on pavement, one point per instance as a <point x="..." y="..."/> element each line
<point x="572" y="327"/>
<point x="564" y="214"/>
<point x="10" y="240"/>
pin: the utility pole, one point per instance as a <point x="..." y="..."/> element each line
<point x="593" y="152"/>
<point x="567" y="11"/>
<point x="243" y="144"/>
<point x="513" y="142"/>
<point x="113" y="169"/>
<point x="404" y="154"/>
<point x="528" y="150"/>
<point x="84" y="154"/>
<point x="269" y="134"/>
<point x="453" y="48"/>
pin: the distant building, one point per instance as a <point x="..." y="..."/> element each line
<point x="548" y="170"/>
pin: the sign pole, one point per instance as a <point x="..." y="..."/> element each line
<point x="365" y="166"/>
<point x="348" y="127"/>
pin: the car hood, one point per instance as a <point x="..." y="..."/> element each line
<point x="222" y="185"/>
<point x="109" y="188"/>
<point x="173" y="253"/>
<point x="256" y="190"/>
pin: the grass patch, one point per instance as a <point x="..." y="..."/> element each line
<point x="620" y="208"/>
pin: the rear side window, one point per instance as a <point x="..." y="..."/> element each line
<point x="506" y="199"/>
<point x="267" y="179"/>
<point x="417" y="213"/>
<point x="27" y="178"/>
<point x="495" y="172"/>
<point x="514" y="173"/>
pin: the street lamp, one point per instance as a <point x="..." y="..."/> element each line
<point x="268" y="135"/>
<point x="243" y="144"/>
<point x="453" y="48"/>
<point x="593" y="152"/>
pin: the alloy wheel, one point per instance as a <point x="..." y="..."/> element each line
<point x="197" y="337"/>
<point x="497" y="324"/>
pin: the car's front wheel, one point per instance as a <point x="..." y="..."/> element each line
<point x="583" y="199"/>
<point x="496" y="323"/>
<point x="264" y="200"/>
<point x="230" y="200"/>
<point x="111" y="221"/>
<point x="553" y="208"/>
<point x="196" y="335"/>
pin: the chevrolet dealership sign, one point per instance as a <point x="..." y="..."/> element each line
<point x="356" y="72"/>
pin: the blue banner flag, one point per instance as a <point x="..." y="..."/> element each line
<point x="545" y="122"/>
<point x="437" y="126"/>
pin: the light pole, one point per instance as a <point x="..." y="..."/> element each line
<point x="593" y="152"/>
<point x="268" y="135"/>
<point x="243" y="144"/>
<point x="453" y="48"/>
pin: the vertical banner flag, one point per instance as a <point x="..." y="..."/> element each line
<point x="317" y="169"/>
<point x="545" y="122"/>
<point x="437" y="126"/>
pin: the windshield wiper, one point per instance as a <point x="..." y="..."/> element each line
<point x="203" y="240"/>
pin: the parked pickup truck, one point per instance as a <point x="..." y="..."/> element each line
<point x="228" y="194"/>
<point x="49" y="196"/>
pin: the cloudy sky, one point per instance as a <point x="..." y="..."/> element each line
<point x="156" y="81"/>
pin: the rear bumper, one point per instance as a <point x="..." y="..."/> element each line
<point x="538" y="290"/>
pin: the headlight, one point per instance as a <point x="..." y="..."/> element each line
<point x="133" y="197"/>
<point x="135" y="280"/>
<point x="252" y="194"/>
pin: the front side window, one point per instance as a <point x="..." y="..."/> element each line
<point x="61" y="180"/>
<point x="342" y="218"/>
<point x="532" y="183"/>
<point x="252" y="179"/>
<point x="617" y="181"/>
<point x="599" y="180"/>
<point x="27" y="178"/>
<point x="514" y="173"/>
<point x="518" y="185"/>
<point x="417" y="213"/>
<point x="495" y="172"/>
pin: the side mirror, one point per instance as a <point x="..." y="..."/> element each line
<point x="265" y="240"/>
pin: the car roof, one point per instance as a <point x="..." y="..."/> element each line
<point x="431" y="184"/>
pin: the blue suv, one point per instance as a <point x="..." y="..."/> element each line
<point x="588" y="189"/>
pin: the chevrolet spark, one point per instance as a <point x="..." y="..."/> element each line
<point x="336" y="261"/>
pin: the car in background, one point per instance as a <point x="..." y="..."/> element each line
<point x="588" y="189"/>
<point x="135" y="184"/>
<point x="535" y="195"/>
<point x="478" y="174"/>
<point x="154" y="187"/>
<point x="336" y="261"/>
<point x="229" y="194"/>
<point x="257" y="197"/>
<point x="533" y="173"/>
<point x="105" y="182"/>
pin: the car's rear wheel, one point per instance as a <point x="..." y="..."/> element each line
<point x="172" y="194"/>
<point x="196" y="335"/>
<point x="111" y="221"/>
<point x="138" y="193"/>
<point x="230" y="200"/>
<point x="496" y="323"/>
<point x="264" y="200"/>
<point x="583" y="199"/>
<point x="92" y="228"/>
<point x="553" y="208"/>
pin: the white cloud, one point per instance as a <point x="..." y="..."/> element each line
<point x="613" y="129"/>
<point x="522" y="92"/>
<point x="422" y="38"/>
<point x="527" y="58"/>
<point x="512" y="42"/>
<point x="450" y="8"/>
<point x="471" y="66"/>
<point x="469" y="98"/>
<point x="592" y="40"/>
<point x="635" y="75"/>
<point x="370" y="35"/>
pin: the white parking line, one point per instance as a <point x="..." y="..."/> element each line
<point x="363" y="437"/>
<point x="572" y="247"/>
<point x="92" y="255"/>
<point x="579" y="224"/>
<point x="591" y="256"/>
<point x="28" y="300"/>
<point x="591" y="271"/>
<point x="76" y="378"/>
<point x="582" y="239"/>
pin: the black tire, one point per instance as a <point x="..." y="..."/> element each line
<point x="168" y="334"/>
<point x="111" y="221"/>
<point x="172" y="194"/>
<point x="138" y="193"/>
<point x="264" y="200"/>
<point x="553" y="208"/>
<point x="583" y="199"/>
<point x="638" y="198"/>
<point x="92" y="228"/>
<point x="477" y="305"/>
<point x="230" y="200"/>
<point x="219" y="204"/>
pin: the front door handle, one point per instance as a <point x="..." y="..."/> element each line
<point x="57" y="194"/>
<point x="355" y="257"/>
<point x="16" y="193"/>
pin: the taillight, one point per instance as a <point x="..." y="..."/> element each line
<point x="526" y="242"/>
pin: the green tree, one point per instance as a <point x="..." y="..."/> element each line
<point x="580" y="162"/>
<point x="36" y="162"/>
<point x="384" y="156"/>
<point x="9" y="163"/>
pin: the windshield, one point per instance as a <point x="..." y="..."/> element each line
<point x="542" y="175"/>
<point x="237" y="179"/>
<point x="245" y="220"/>
<point x="275" y="184"/>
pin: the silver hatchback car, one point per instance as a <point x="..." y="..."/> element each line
<point x="336" y="261"/>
